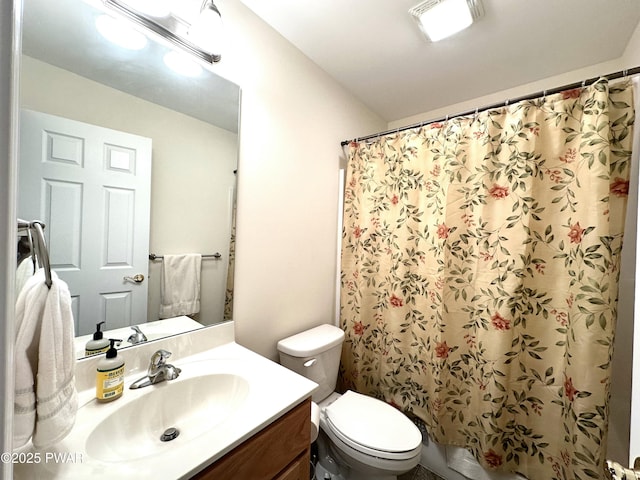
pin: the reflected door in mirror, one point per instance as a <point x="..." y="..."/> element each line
<point x="91" y="187"/>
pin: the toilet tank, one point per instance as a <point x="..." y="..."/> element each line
<point x="314" y="354"/>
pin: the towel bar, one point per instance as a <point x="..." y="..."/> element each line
<point x="217" y="256"/>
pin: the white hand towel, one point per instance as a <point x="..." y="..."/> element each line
<point x="180" y="285"/>
<point x="45" y="401"/>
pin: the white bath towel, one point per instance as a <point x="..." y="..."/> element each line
<point x="23" y="273"/>
<point x="180" y="285"/>
<point x="45" y="402"/>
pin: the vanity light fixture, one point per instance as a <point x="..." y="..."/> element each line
<point x="154" y="8"/>
<point x="192" y="37"/>
<point x="439" y="19"/>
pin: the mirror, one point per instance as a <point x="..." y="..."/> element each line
<point x="71" y="73"/>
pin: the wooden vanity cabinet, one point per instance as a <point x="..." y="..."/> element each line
<point x="278" y="452"/>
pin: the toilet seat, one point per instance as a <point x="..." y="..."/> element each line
<point x="373" y="427"/>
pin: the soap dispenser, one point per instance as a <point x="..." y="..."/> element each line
<point x="110" y="375"/>
<point x="98" y="344"/>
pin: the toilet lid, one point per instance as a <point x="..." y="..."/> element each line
<point x="359" y="420"/>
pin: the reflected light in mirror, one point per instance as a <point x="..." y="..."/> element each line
<point x="180" y="63"/>
<point x="120" y="33"/>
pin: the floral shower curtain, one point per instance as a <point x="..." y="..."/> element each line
<point x="480" y="269"/>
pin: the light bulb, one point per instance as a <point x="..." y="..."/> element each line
<point x="206" y="30"/>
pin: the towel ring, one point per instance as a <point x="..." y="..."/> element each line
<point x="43" y="255"/>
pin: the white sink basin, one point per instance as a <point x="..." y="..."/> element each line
<point x="193" y="406"/>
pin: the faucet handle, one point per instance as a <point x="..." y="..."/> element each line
<point x="138" y="336"/>
<point x="171" y="372"/>
<point x="158" y="359"/>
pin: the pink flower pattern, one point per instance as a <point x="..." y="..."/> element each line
<point x="443" y="231"/>
<point x="498" y="192"/>
<point x="500" y="323"/>
<point x="575" y="233"/>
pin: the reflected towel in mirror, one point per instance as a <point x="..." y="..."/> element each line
<point x="45" y="402"/>
<point x="180" y="285"/>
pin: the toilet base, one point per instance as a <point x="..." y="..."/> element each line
<point x="322" y="473"/>
<point x="332" y="465"/>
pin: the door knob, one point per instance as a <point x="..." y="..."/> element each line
<point x="137" y="278"/>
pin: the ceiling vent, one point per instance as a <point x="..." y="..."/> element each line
<point x="440" y="19"/>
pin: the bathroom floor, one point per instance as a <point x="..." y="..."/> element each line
<point x="420" y="473"/>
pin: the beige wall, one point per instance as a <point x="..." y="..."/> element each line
<point x="293" y="119"/>
<point x="184" y="175"/>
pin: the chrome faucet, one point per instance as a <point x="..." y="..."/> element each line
<point x="137" y="336"/>
<point x="158" y="370"/>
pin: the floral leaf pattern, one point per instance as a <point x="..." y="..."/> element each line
<point x="479" y="281"/>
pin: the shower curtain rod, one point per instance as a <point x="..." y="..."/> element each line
<point x="611" y="76"/>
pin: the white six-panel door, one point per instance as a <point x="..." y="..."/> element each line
<point x="91" y="187"/>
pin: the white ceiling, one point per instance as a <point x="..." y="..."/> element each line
<point x="375" y="49"/>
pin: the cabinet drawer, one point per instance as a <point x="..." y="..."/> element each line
<point x="298" y="470"/>
<point x="269" y="452"/>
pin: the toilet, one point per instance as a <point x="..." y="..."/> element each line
<point x="360" y="437"/>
